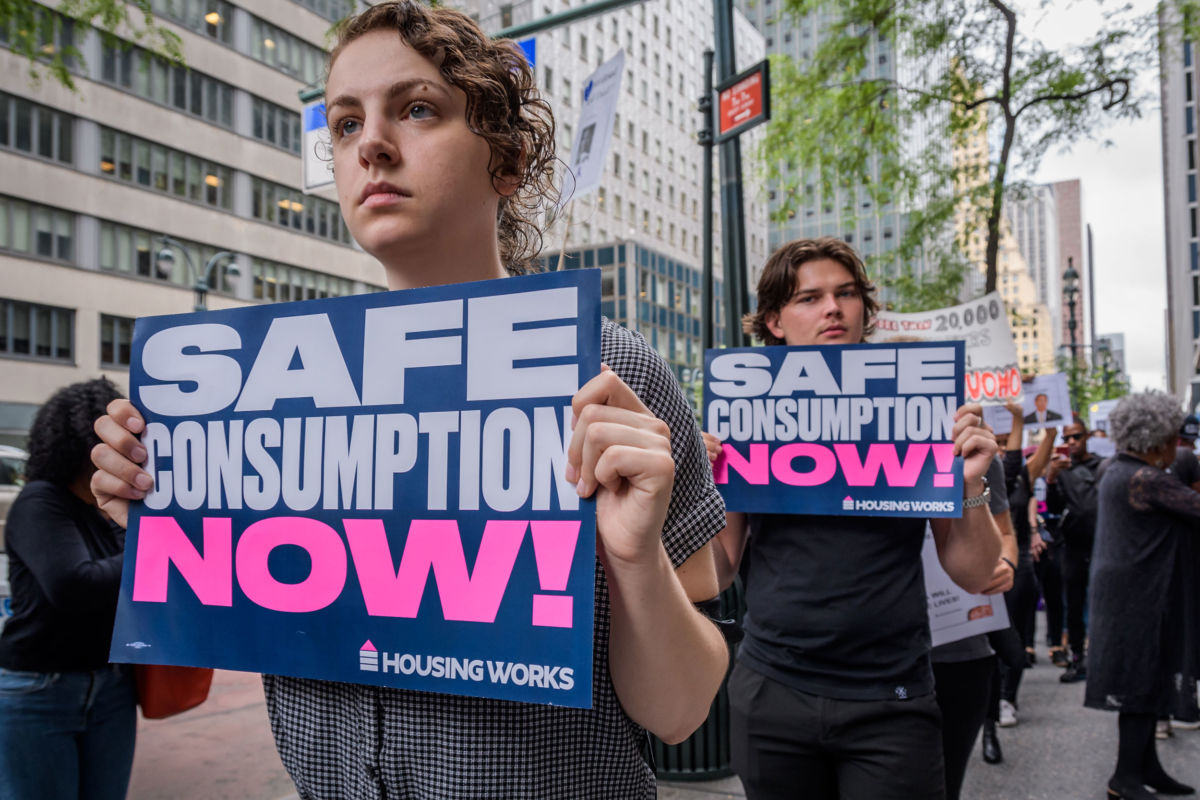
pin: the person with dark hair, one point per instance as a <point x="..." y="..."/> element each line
<point x="1143" y="514"/>
<point x="67" y="717"/>
<point x="442" y="151"/>
<point x="1041" y="411"/>
<point x="832" y="695"/>
<point x="1184" y="707"/>
<point x="1071" y="483"/>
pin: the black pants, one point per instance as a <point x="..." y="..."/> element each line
<point x="788" y="744"/>
<point x="1021" y="601"/>
<point x="962" y="695"/>
<point x="1049" y="575"/>
<point x="1077" y="564"/>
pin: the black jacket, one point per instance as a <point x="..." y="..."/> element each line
<point x="1074" y="496"/>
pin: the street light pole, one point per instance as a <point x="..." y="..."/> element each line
<point x="201" y="280"/>
<point x="1071" y="291"/>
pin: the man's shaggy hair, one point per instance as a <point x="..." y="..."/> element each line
<point x="1145" y="421"/>
<point x="504" y="106"/>
<point x="62" y="436"/>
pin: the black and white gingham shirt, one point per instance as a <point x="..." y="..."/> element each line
<point x="341" y="740"/>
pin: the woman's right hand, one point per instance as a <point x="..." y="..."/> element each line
<point x="118" y="478"/>
<point x="712" y="446"/>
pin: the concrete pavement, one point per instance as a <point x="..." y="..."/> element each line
<point x="1059" y="750"/>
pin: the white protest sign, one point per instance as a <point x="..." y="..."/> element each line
<point x="594" y="131"/>
<point x="314" y="147"/>
<point x="1098" y="414"/>
<point x="992" y="373"/>
<point x="955" y="613"/>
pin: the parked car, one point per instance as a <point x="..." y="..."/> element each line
<point x="12" y="478"/>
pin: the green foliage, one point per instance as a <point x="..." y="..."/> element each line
<point x="42" y="35"/>
<point x="846" y="126"/>
<point x="1091" y="383"/>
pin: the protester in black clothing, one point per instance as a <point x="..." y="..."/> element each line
<point x="833" y="693"/>
<point x="962" y="670"/>
<point x="1021" y="599"/>
<point x="1071" y="492"/>
<point x="1143" y="514"/>
<point x="67" y="717"/>
<point x="1184" y="710"/>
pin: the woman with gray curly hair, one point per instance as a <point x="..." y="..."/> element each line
<point x="1143" y="513"/>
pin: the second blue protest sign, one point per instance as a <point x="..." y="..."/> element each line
<point x="369" y="489"/>
<point x="837" y="429"/>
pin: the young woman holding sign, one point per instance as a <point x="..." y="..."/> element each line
<point x="833" y="690"/>
<point x="442" y="152"/>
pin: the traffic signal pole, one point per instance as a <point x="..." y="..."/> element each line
<point x="733" y="223"/>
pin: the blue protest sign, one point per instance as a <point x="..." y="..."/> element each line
<point x="369" y="489"/>
<point x="837" y="429"/>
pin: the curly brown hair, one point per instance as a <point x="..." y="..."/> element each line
<point x="777" y="283"/>
<point x="504" y="106"/>
<point x="61" y="437"/>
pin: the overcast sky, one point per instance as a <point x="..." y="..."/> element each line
<point x="1123" y="202"/>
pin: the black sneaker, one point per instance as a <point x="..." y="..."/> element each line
<point x="1059" y="658"/>
<point x="1076" y="671"/>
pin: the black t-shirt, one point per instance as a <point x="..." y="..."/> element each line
<point x="837" y="606"/>
<point x="64" y="568"/>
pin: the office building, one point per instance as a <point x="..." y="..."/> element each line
<point x="1033" y="218"/>
<point x="643" y="226"/>
<point x="208" y="154"/>
<point x="1178" y="88"/>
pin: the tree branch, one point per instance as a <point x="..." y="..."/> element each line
<point x="1111" y="86"/>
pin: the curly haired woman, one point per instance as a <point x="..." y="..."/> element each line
<point x="67" y="717"/>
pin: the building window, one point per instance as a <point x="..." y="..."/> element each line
<point x="162" y="169"/>
<point x="277" y="48"/>
<point x="281" y="283"/>
<point x="116" y="336"/>
<point x="288" y="208"/>
<point x="211" y="18"/>
<point x="35" y="129"/>
<point x="134" y="252"/>
<point x="332" y="10"/>
<point x="155" y="80"/>
<point x="30" y="330"/>
<point x="275" y="125"/>
<point x="36" y="230"/>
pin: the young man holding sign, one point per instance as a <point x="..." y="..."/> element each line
<point x="833" y="690"/>
<point x="442" y="152"/>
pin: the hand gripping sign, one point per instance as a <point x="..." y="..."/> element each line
<point x="369" y="489"/>
<point x="850" y="429"/>
<point x="992" y="375"/>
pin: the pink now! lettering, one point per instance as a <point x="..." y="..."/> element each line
<point x="432" y="546"/>
<point x="823" y="461"/>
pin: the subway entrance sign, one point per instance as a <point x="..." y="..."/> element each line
<point x="743" y="101"/>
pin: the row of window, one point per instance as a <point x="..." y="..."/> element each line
<point x="154" y="79"/>
<point x="275" y="125"/>
<point x="132" y="251"/>
<point x="282" y="283"/>
<point x="211" y="18"/>
<point x="272" y="202"/>
<point x="278" y="48"/>
<point x="133" y="160"/>
<point x="47" y="333"/>
<point x="36" y="229"/>
<point x="36" y="331"/>
<point x="33" y="229"/>
<point x="34" y="128"/>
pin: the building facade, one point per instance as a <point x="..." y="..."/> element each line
<point x="1178" y="89"/>
<point x="209" y="155"/>
<point x="1068" y="201"/>
<point x="1033" y="218"/>
<point x="644" y="224"/>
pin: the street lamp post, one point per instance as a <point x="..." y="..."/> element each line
<point x="201" y="282"/>
<point x="1071" y="291"/>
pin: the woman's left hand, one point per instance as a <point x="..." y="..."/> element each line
<point x="622" y="453"/>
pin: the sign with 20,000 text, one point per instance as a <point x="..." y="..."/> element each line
<point x="850" y="429"/>
<point x="993" y="375"/>
<point x="369" y="489"/>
